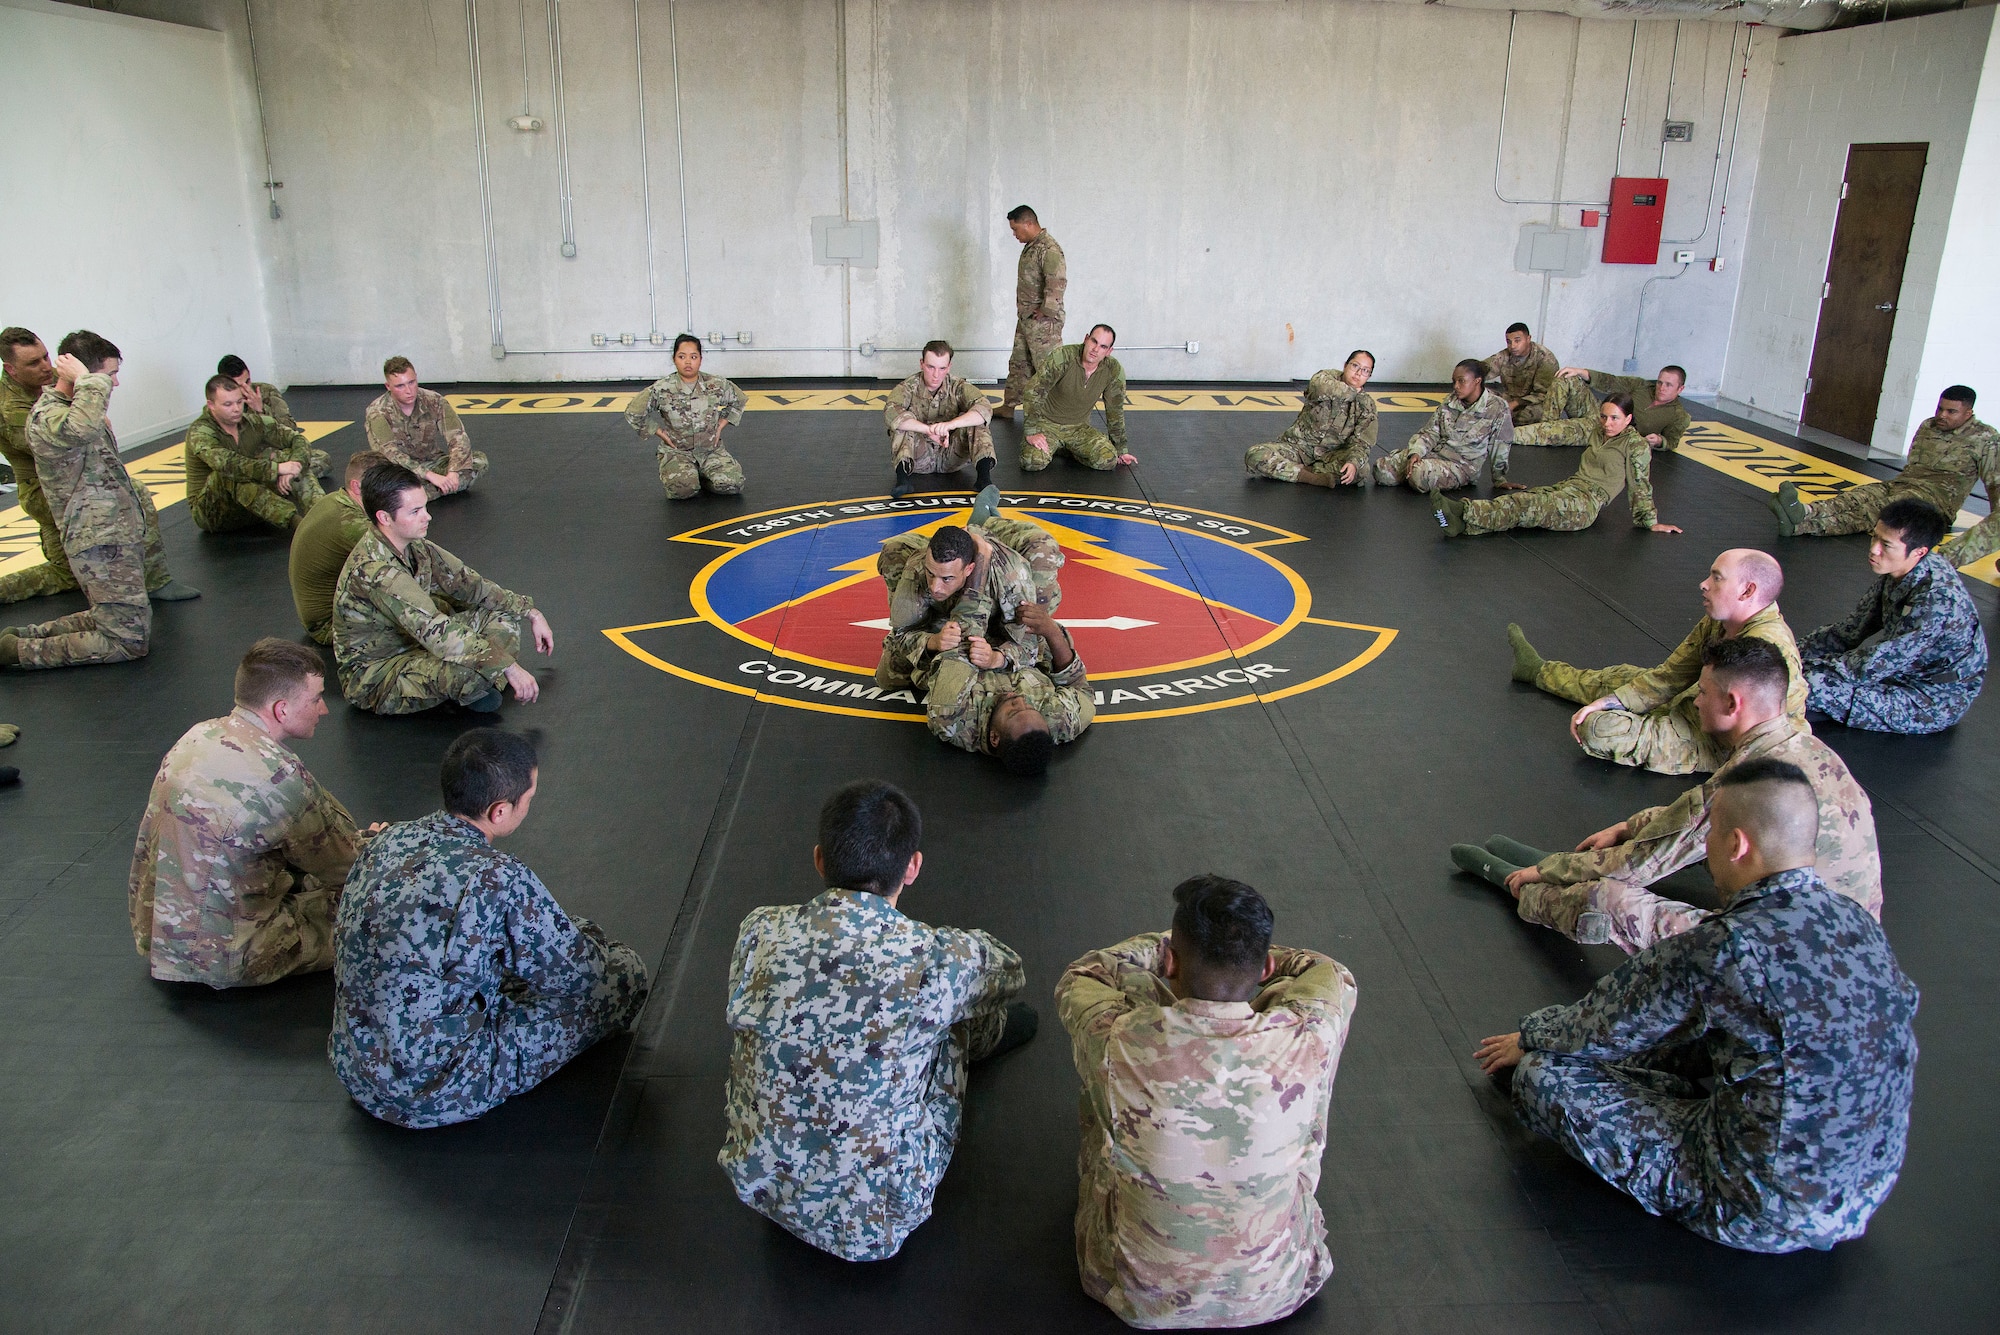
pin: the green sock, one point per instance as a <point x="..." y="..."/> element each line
<point x="1486" y="865"/>
<point x="1514" y="851"/>
<point x="1527" y="663"/>
<point x="10" y="651"/>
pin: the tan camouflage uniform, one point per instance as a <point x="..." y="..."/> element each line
<point x="1059" y="403"/>
<point x="240" y="860"/>
<point x="1942" y="469"/>
<point x="1525" y="379"/>
<point x="428" y="439"/>
<point x="1203" y="1126"/>
<point x="1031" y="542"/>
<point x="692" y="416"/>
<point x="1573" y="403"/>
<point x="1335" y="427"/>
<point x="53" y="575"/>
<point x="233" y="484"/>
<point x="1606" y="469"/>
<point x="413" y="631"/>
<point x="991" y="611"/>
<point x="959" y="703"/>
<point x="1655" y="725"/>
<point x="274" y="405"/>
<point x="1662" y="840"/>
<point x="1039" y="285"/>
<point x="1453" y="446"/>
<point x="953" y="399"/>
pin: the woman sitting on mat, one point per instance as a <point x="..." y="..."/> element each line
<point x="1615" y="457"/>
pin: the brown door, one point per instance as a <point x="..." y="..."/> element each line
<point x="1864" y="279"/>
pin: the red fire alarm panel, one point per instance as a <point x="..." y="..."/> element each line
<point x="1632" y="232"/>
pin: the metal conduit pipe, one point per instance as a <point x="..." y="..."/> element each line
<point x="498" y="345"/>
<point x="1500" y="140"/>
<point x="263" y="128"/>
<point x="1729" y="173"/>
<point x="865" y="349"/>
<point x="1673" y="68"/>
<point x="680" y="154"/>
<point x="1715" y="166"/>
<point x="1624" y="106"/>
<point x="645" y="174"/>
<point x="558" y="114"/>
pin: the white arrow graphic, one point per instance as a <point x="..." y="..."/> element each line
<point x="1084" y="623"/>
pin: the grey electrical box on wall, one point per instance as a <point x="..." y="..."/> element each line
<point x="1679" y="132"/>
<point x="1562" y="251"/>
<point x="855" y="241"/>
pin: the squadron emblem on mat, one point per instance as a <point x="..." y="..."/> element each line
<point x="1175" y="610"/>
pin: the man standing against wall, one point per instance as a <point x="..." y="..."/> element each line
<point x="1038" y="305"/>
<point x="25" y="370"/>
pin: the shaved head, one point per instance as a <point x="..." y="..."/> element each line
<point x="1774" y="804"/>
<point x="1754" y="567"/>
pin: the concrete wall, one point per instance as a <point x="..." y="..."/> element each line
<point x="1280" y="182"/>
<point x="128" y="212"/>
<point x="1963" y="344"/>
<point x="1914" y="80"/>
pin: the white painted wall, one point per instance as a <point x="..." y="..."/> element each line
<point x="129" y="215"/>
<point x="1913" y="80"/>
<point x="1963" y="343"/>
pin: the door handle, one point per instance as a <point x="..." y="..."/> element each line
<point x="1886" y="306"/>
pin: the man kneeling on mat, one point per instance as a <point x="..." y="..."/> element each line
<point x="1207" y="1058"/>
<point x="459" y="982"/>
<point x="978" y="703"/>
<point x="1750" y="1078"/>
<point x="854" y="1026"/>
<point x="1598" y="893"/>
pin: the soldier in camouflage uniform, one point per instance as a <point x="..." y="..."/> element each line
<point x="1789" y="1002"/>
<point x="1329" y="443"/>
<point x="1207" y="1060"/>
<point x="1599" y="893"/>
<point x="1912" y="656"/>
<point x="686" y="412"/>
<point x="937" y="423"/>
<point x="1061" y="397"/>
<point x="967" y="590"/>
<point x="1616" y="457"/>
<point x="24" y="371"/>
<point x="413" y="626"/>
<point x="415" y="428"/>
<point x="459" y="982"/>
<point x="1950" y="453"/>
<point x="244" y="468"/>
<point x="1017" y="715"/>
<point x="1525" y="372"/>
<point x="853" y="1030"/>
<point x="1571" y="406"/>
<point x="1039" y="284"/>
<point x="260" y="396"/>
<point x="1467" y="429"/>
<point x="1646" y="717"/>
<point x="241" y="854"/>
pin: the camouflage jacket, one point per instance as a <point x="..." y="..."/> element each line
<point x="94" y="500"/>
<point x="253" y="456"/>
<point x="385" y="605"/>
<point x="1062" y="395"/>
<point x="1672" y="683"/>
<point x="959" y="704"/>
<point x="1336" y="423"/>
<point x="1609" y="466"/>
<point x="1943" y="465"/>
<point x="274" y="405"/>
<point x="1203" y="1127"/>
<point x="989" y="610"/>
<point x="1662" y="840"/>
<point x="1526" y="378"/>
<point x="691" y="415"/>
<point x="954" y="398"/>
<point x="1466" y="433"/>
<point x="844" y="1081"/>
<point x="1668" y="421"/>
<point x="16" y="402"/>
<point x="234" y="826"/>
<point x="1924" y="627"/>
<point x="1040" y="281"/>
<point x="430" y="439"/>
<point x="1794" y="999"/>
<point x="440" y="940"/>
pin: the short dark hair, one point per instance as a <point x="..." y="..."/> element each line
<point x="483" y="766"/>
<point x="1022" y="213"/>
<point x="382" y="488"/>
<point x="1363" y="352"/>
<point x="397" y="365"/>
<point x="1750" y="665"/>
<point x="93" y="350"/>
<point x="360" y="462"/>
<point x="1764" y="769"/>
<point x="1517" y="328"/>
<point x="275" y="667"/>
<point x="1956" y="393"/>
<point x="216" y="382"/>
<point x="952" y="543"/>
<point x="868" y="832"/>
<point x="1222" y="923"/>
<point x="12" y="337"/>
<point x="231" y="366"/>
<point x="1620" y="400"/>
<point x="937" y="347"/>
<point x="1026" y="754"/>
<point x="1472" y="365"/>
<point x="1919" y="523"/>
<point x="685" y="338"/>
<point x="1680" y="371"/>
<point x="1106" y="328"/>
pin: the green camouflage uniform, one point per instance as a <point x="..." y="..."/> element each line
<point x="240" y="860"/>
<point x="1662" y="840"/>
<point x="319" y="552"/>
<point x="853" y="1027"/>
<point x="692" y="416"/>
<point x="960" y="700"/>
<point x="1942" y="468"/>
<point x="429" y="439"/>
<point x="1606" y="469"/>
<point x="1527" y="379"/>
<point x="53" y="575"/>
<point x="1453" y="446"/>
<point x="953" y="399"/>
<point x="1335" y="427"/>
<point x="413" y="631"/>
<point x="1655" y="725"/>
<point x="233" y="484"/>
<point x="109" y="528"/>
<point x="1039" y="284"/>
<point x="1203" y="1126"/>
<point x="1031" y="542"/>
<point x="991" y="611"/>
<point x="274" y="403"/>
<point x="1573" y="403"/>
<point x="1059" y="402"/>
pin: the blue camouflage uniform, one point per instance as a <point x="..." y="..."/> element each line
<point x="459" y="982"/>
<point x="1792" y="1001"/>
<point x="853" y="1027"/>
<point x="1925" y="666"/>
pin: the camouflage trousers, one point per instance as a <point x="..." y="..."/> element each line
<point x="1885" y="706"/>
<point x="1981" y="540"/>
<point x="1565" y="507"/>
<point x="223" y="506"/>
<point x="117" y="626"/>
<point x="1034" y="340"/>
<point x="682" y="472"/>
<point x="1283" y="461"/>
<point x="475" y="468"/>
<point x="1566" y="435"/>
<point x="53" y="574"/>
<point x="1638" y="917"/>
<point x="1569" y="399"/>
<point x="298" y="938"/>
<point x="962" y="448"/>
<point x="1667" y="740"/>
<point x="1082" y="442"/>
<point x="416" y="680"/>
<point x="1850" y="511"/>
<point x="1425" y="472"/>
<point x="1035" y="546"/>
